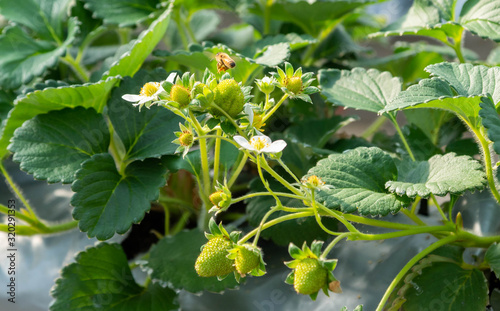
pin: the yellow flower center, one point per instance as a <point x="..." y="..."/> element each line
<point x="186" y="138"/>
<point x="257" y="121"/>
<point x="149" y="89"/>
<point x="315" y="181"/>
<point x="258" y="143"/>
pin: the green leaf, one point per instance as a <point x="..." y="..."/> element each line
<point x="491" y="121"/>
<point x="87" y="95"/>
<point x="200" y="58"/>
<point x="466" y="146"/>
<point x="107" y="202"/>
<point x="482" y="17"/>
<point x="294" y="40"/>
<point x="229" y="154"/>
<point x="203" y="23"/>
<point x="316" y="133"/>
<point x="129" y="62"/>
<point x="425" y="18"/>
<point x="273" y="55"/>
<point x="296" y="231"/>
<point x="190" y="163"/>
<point x="422" y="147"/>
<point x="310" y="15"/>
<point x="358" y="178"/>
<point x="6" y="104"/>
<point x="440" y="175"/>
<point x="455" y="87"/>
<point x="101" y="279"/>
<point x="147" y="133"/>
<point x="369" y="90"/>
<point x="122" y="12"/>
<point x="52" y="146"/>
<point x="430" y="121"/>
<point x="492" y="257"/>
<point x="43" y="17"/>
<point x="172" y="260"/>
<point x="22" y="58"/>
<point x="494" y="57"/>
<point x="446" y="286"/>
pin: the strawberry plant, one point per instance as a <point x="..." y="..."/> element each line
<point x="195" y="144"/>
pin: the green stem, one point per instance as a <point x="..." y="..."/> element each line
<point x="219" y="137"/>
<point x="367" y="221"/>
<point x="270" y="112"/>
<point x="400" y="133"/>
<point x="260" y="159"/>
<point x="262" y="222"/>
<point x="274" y="222"/>
<point x="257" y="194"/>
<point x="18" y="193"/>
<point x="413" y="217"/>
<point x="285" y="183"/>
<point x="415" y="204"/>
<point x="487" y="163"/>
<point x="410" y="264"/>
<point x="88" y="40"/>
<point x="217" y="157"/>
<point x="7" y="211"/>
<point x="288" y="170"/>
<point x="80" y="71"/>
<point x="397" y="234"/>
<point x="181" y="224"/>
<point x="340" y="217"/>
<point x="214" y="105"/>
<point x="458" y="48"/>
<point x="267" y="16"/>
<point x="373" y="127"/>
<point x="167" y="219"/>
<point x="330" y="246"/>
<point x="318" y="219"/>
<point x="180" y="30"/>
<point x="189" y="30"/>
<point x="440" y="210"/>
<point x="41" y="228"/>
<point x="238" y="170"/>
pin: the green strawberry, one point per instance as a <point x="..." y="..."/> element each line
<point x="212" y="260"/>
<point x="310" y="276"/>
<point x="198" y="89"/>
<point x="180" y="95"/>
<point x="246" y="260"/>
<point x="294" y="84"/>
<point x="228" y="96"/>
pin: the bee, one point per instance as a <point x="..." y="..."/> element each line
<point x="224" y="62"/>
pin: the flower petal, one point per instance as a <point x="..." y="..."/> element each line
<point x="275" y="147"/>
<point x="249" y="112"/>
<point x="132" y="97"/>
<point x="171" y="77"/>
<point x="243" y="142"/>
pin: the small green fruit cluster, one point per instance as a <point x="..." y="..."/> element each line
<point x="229" y="97"/>
<point x="310" y="272"/>
<point x="213" y="260"/>
<point x="221" y="255"/>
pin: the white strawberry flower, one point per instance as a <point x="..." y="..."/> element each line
<point x="149" y="92"/>
<point x="261" y="144"/>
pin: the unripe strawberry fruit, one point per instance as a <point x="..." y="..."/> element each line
<point x="198" y="89"/>
<point x="246" y="260"/>
<point x="180" y="95"/>
<point x="186" y="138"/>
<point x="228" y="96"/>
<point x="212" y="260"/>
<point x="309" y="276"/>
<point x="294" y="84"/>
